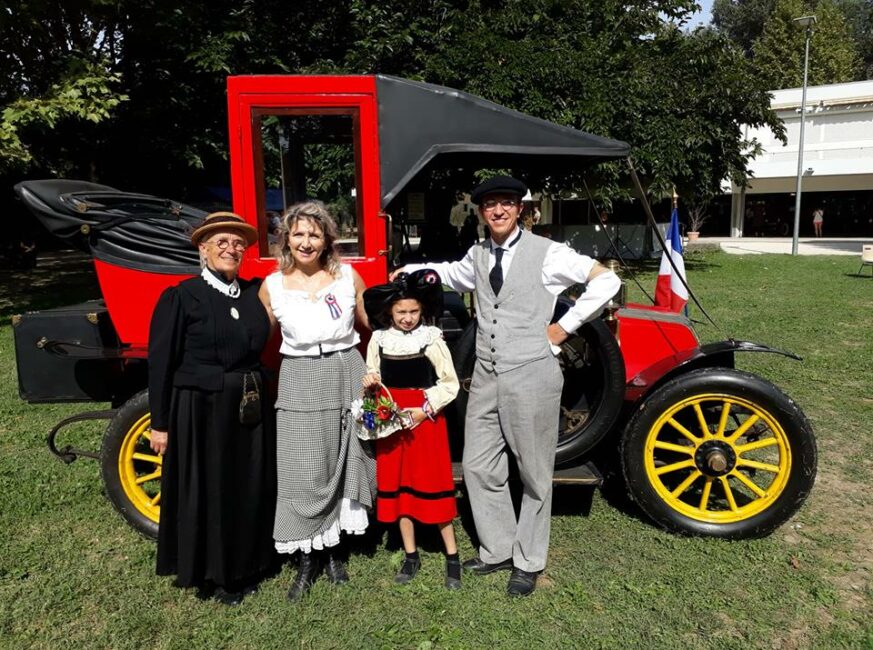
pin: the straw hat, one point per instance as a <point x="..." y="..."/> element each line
<point x="224" y="221"/>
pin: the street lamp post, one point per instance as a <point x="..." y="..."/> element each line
<point x="807" y="22"/>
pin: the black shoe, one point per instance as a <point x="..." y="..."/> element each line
<point x="335" y="570"/>
<point x="407" y="570"/>
<point x="229" y="598"/>
<point x="522" y="583"/>
<point x="481" y="568"/>
<point x="307" y="572"/>
<point x="204" y="592"/>
<point x="453" y="575"/>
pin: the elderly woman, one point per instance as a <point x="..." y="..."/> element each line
<point x="326" y="480"/>
<point x="218" y="481"/>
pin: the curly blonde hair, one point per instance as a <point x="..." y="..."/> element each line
<point x="316" y="213"/>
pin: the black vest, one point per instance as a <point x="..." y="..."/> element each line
<point x="407" y="371"/>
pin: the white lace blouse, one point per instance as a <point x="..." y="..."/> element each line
<point x="313" y="326"/>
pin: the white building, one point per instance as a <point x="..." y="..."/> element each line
<point x="837" y="165"/>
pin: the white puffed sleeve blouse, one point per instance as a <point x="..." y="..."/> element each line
<point x="313" y="325"/>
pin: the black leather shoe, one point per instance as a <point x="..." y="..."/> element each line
<point x="481" y="568"/>
<point x="229" y="598"/>
<point x="407" y="570"/>
<point x="335" y="570"/>
<point x="307" y="572"/>
<point x="522" y="583"/>
<point x="453" y="576"/>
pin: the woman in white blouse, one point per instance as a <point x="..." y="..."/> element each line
<point x="326" y="480"/>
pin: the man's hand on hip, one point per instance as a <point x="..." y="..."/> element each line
<point x="556" y="334"/>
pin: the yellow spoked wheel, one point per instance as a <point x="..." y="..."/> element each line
<point x="140" y="470"/>
<point x="131" y="470"/>
<point x="719" y="452"/>
<point x="717" y="458"/>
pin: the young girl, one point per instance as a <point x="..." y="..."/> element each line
<point x="413" y="467"/>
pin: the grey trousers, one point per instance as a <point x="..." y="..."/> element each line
<point x="515" y="411"/>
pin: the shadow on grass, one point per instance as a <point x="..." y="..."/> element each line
<point x="614" y="489"/>
<point x="59" y="278"/>
<point x="692" y="263"/>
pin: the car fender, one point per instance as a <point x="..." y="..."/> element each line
<point x="719" y="354"/>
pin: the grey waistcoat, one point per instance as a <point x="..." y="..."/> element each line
<point x="512" y="326"/>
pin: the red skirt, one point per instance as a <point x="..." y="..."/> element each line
<point x="414" y="469"/>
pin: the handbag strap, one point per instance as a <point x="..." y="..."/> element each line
<point x="246" y="376"/>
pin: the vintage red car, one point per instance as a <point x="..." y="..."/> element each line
<point x="705" y="448"/>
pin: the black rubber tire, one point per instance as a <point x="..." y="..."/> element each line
<point x="463" y="351"/>
<point x="742" y="385"/>
<point x="128" y="416"/>
<point x="600" y="386"/>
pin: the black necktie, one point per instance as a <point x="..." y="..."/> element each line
<point x="496" y="274"/>
<point x="495" y="277"/>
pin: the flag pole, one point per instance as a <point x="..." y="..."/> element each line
<point x="641" y="195"/>
<point x="676" y="208"/>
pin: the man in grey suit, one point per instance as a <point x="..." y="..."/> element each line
<point x="515" y="393"/>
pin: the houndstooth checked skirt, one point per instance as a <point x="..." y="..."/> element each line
<point x="320" y="460"/>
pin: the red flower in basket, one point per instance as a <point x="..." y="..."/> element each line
<point x="383" y="412"/>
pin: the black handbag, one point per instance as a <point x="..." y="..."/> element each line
<point x="250" y="404"/>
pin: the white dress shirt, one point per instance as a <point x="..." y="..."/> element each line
<point x="562" y="268"/>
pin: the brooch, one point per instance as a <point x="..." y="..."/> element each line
<point x="333" y="306"/>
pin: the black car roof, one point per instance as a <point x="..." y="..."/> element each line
<point x="419" y="122"/>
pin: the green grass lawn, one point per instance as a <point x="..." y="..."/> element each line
<point x="72" y="573"/>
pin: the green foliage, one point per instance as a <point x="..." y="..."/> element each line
<point x="57" y="77"/>
<point x="859" y="15"/>
<point x="765" y="31"/>
<point x="780" y="50"/>
<point x="832" y="43"/>
<point x="610" y="68"/>
<point x="85" y="95"/>
<point x="742" y="20"/>
<point x="619" y="69"/>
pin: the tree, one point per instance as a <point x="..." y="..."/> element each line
<point x="55" y="66"/>
<point x="619" y="69"/>
<point x="859" y="16"/>
<point x="780" y="50"/>
<point x="742" y="21"/>
<point x="611" y="68"/>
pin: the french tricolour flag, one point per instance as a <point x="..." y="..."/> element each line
<point x="670" y="293"/>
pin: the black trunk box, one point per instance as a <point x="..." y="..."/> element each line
<point x="62" y="353"/>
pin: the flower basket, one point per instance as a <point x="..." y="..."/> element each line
<point x="377" y="415"/>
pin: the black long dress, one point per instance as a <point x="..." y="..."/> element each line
<point x="218" y="485"/>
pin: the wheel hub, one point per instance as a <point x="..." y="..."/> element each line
<point x="715" y="458"/>
<point x="573" y="420"/>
